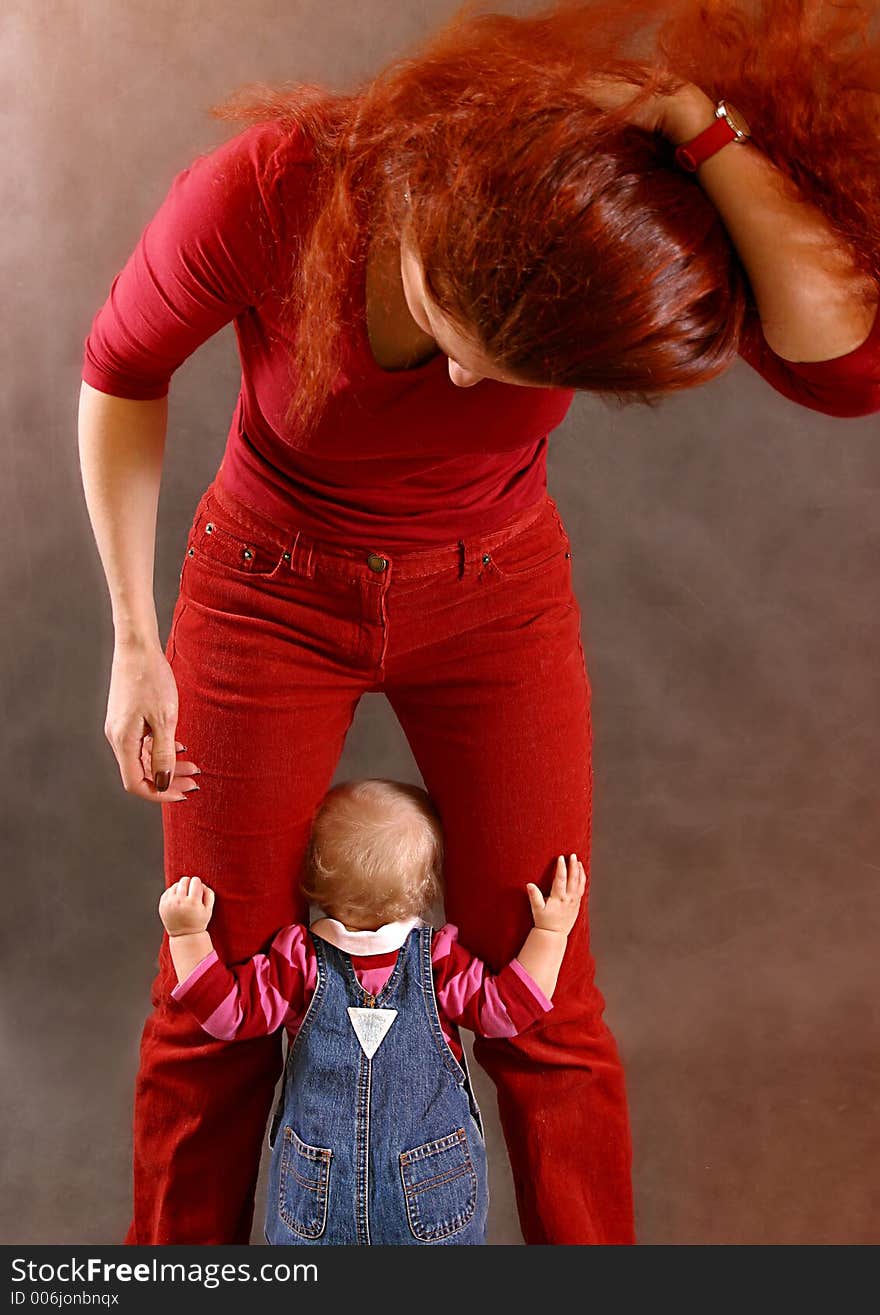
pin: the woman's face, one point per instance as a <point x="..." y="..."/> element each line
<point x="467" y="364"/>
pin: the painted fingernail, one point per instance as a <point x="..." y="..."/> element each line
<point x="162" y="780"/>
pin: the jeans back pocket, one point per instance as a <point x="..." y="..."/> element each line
<point x="439" y="1186"/>
<point x="304" y="1185"/>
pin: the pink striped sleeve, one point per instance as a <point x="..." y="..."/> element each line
<point x="189" y="981"/>
<point x="257" y="996"/>
<point x="845" y="386"/>
<point x="468" y="993"/>
<point x="531" y="985"/>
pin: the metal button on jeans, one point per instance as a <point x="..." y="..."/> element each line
<point x="376" y="563"/>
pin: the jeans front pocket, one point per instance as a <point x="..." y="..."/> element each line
<point x="439" y="1186"/>
<point x="304" y="1186"/>
<point x="220" y="542"/>
<point x="542" y="544"/>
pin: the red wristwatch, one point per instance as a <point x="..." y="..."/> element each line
<point x="728" y="126"/>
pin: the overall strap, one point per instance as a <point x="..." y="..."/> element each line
<point x="293" y="1049"/>
<point x="318" y="996"/>
<point x="429" y="996"/>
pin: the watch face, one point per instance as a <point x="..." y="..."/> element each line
<point x="737" y="119"/>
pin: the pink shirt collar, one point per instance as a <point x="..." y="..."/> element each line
<point x="390" y="936"/>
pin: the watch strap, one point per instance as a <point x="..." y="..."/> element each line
<point x="690" y="155"/>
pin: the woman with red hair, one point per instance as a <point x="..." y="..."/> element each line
<point x="421" y="274"/>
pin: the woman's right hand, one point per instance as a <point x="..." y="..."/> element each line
<point x="141" y="722"/>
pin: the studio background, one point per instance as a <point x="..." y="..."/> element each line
<point x="725" y="552"/>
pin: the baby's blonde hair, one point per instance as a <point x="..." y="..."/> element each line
<point x="375" y="851"/>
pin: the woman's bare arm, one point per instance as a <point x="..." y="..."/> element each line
<point x="809" y="292"/>
<point x="121" y="448"/>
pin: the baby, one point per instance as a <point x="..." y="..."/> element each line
<point x="381" y="1136"/>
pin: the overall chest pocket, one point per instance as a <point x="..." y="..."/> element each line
<point x="439" y="1186"/>
<point x="304" y="1186"/>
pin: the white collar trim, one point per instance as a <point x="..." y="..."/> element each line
<point x="390" y="936"/>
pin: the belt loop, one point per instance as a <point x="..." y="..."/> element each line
<point x="292" y="553"/>
<point x="469" y="550"/>
<point x="471" y="556"/>
<point x="308" y="568"/>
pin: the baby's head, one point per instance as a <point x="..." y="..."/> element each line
<point x="375" y="854"/>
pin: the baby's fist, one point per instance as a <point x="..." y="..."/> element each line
<point x="558" y="912"/>
<point x="186" y="906"/>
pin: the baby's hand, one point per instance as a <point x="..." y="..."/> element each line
<point x="560" y="909"/>
<point x="186" y="906"/>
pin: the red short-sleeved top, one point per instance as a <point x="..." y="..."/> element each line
<point x="400" y="458"/>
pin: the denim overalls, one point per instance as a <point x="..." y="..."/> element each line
<point x="376" y="1138"/>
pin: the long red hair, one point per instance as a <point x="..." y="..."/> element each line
<point x="563" y="239"/>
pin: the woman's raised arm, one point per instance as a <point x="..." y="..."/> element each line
<point x="809" y="291"/>
<point x="816" y="337"/>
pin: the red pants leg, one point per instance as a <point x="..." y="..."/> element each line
<point x="501" y="731"/>
<point x="264" y="708"/>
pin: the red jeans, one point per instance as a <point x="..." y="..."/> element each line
<point x="477" y="647"/>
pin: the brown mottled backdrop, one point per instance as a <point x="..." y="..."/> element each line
<point x="726" y="553"/>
